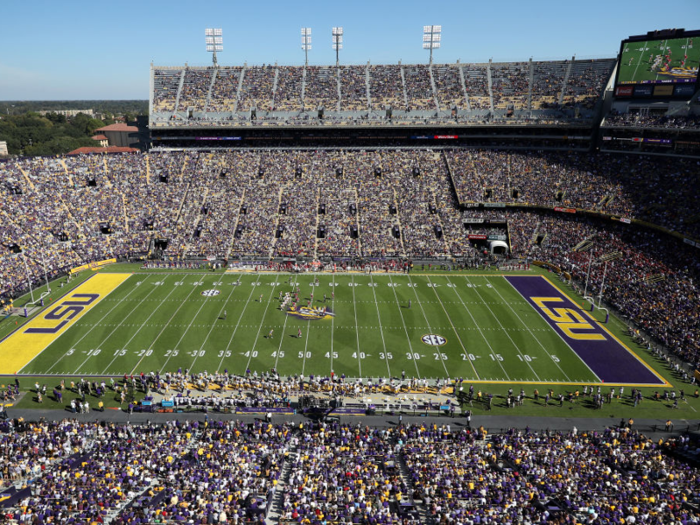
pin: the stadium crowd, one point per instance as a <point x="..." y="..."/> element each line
<point x="652" y="121"/>
<point x="401" y="87"/>
<point x="60" y="213"/>
<point x="327" y="472"/>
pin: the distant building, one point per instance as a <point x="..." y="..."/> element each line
<point x="70" y="112"/>
<point x="120" y="134"/>
<point x="109" y="149"/>
<point x="3" y="148"/>
<point x="102" y="139"/>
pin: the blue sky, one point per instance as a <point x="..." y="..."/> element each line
<point x="75" y="49"/>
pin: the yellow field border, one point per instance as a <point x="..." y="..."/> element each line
<point x="665" y="383"/>
<point x="19" y="348"/>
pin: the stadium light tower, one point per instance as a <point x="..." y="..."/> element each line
<point x="431" y="39"/>
<point x="337" y="43"/>
<point x="215" y="42"/>
<point x="306" y="43"/>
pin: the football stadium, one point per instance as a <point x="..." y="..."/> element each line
<point x="435" y="293"/>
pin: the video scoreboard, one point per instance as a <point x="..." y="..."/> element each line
<point x="659" y="64"/>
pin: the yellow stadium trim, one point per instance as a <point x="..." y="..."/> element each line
<point x="22" y="346"/>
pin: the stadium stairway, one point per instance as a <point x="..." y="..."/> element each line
<point x="464" y="87"/>
<point x="275" y="510"/>
<point x="423" y="516"/>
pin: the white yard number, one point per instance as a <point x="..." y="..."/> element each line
<point x="468" y="357"/>
<point x="303" y="355"/>
<point x="334" y="355"/>
<point x="386" y="356"/>
<point x="278" y="353"/>
<point x="496" y="357"/>
<point x="361" y="354"/>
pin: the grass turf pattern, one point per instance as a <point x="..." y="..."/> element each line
<point x="486" y="330"/>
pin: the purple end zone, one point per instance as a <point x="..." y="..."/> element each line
<point x="609" y="360"/>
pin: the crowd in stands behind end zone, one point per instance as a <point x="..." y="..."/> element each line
<point x="269" y="203"/>
<point x="230" y="472"/>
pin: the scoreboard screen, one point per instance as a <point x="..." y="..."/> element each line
<point x="673" y="61"/>
<point x="654" y="66"/>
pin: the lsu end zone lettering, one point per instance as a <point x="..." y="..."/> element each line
<point x="23" y="345"/>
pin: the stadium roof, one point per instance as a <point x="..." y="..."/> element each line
<point x="108" y="149"/>
<point x="119" y="127"/>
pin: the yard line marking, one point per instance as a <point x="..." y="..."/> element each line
<point x="405" y="329"/>
<point x="306" y="346"/>
<point x="94" y="326"/>
<point x="481" y="331"/>
<point x="504" y="331"/>
<point x="245" y="307"/>
<point x="139" y="329"/>
<point x="453" y="329"/>
<point x="442" y="360"/>
<point x="332" y="319"/>
<point x="295" y="285"/>
<point x="357" y="328"/>
<point x="641" y="55"/>
<point x="168" y="323"/>
<point x="381" y="330"/>
<point x="213" y="325"/>
<point x="262" y="320"/>
<point x="529" y="330"/>
<point x="117" y="328"/>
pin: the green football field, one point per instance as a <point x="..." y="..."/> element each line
<point x="477" y="327"/>
<point x="637" y="60"/>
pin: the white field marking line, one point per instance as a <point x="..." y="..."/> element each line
<point x="357" y="328"/>
<point x="168" y="324"/>
<point x="284" y="327"/>
<point x="505" y="331"/>
<point x="481" y="332"/>
<point x="439" y="353"/>
<point x="245" y="306"/>
<point x="332" y="319"/>
<point x="218" y="316"/>
<point x="641" y="55"/>
<point x="119" y="326"/>
<point x="125" y="345"/>
<point x="557" y="332"/>
<point x="381" y="329"/>
<point x="405" y="329"/>
<point x="528" y="328"/>
<point x="91" y="328"/>
<point x="453" y="329"/>
<point x="262" y="321"/>
<point x="306" y="346"/>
